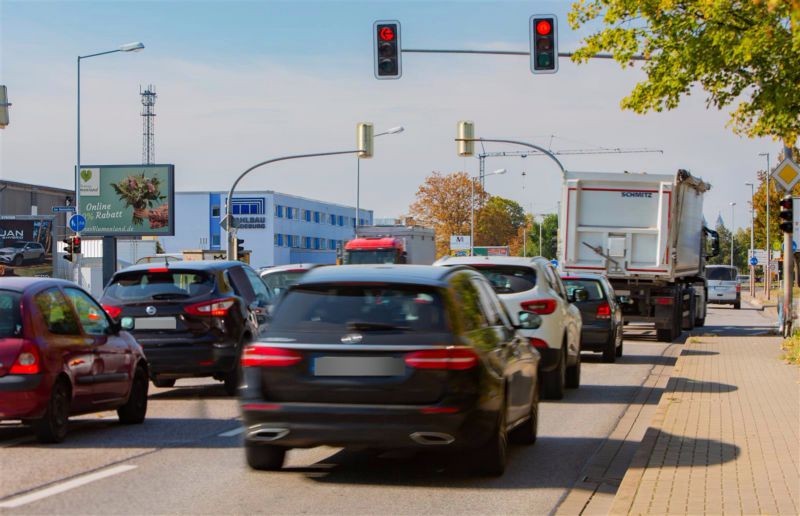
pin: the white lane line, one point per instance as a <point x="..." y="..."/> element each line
<point x="34" y="496"/>
<point x="231" y="433"/>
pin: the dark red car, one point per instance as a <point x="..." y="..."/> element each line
<point x="62" y="355"/>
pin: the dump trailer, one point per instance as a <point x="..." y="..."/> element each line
<point x="391" y="244"/>
<point x="646" y="233"/>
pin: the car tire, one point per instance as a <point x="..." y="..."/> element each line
<point x="553" y="382"/>
<point x="231" y="380"/>
<point x="163" y="382"/>
<point x="491" y="458"/>
<point x="52" y="427"/>
<point x="526" y="432"/>
<point x="135" y="409"/>
<point x="610" y="351"/>
<point x="737" y="305"/>
<point x="621" y="342"/>
<point x="264" y="457"/>
<point x="573" y="374"/>
<point x="18" y="260"/>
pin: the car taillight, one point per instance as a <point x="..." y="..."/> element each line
<point x="28" y="361"/>
<point x="255" y="355"/>
<point x="538" y="343"/>
<point x="663" y="300"/>
<point x="215" y="308"/>
<point x="456" y="359"/>
<point x="603" y="310"/>
<point x="738" y="287"/>
<point x="539" y="306"/>
<point x="112" y="311"/>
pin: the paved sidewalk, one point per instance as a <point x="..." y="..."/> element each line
<point x="725" y="437"/>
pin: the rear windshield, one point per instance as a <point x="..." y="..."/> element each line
<point x="360" y="308"/>
<point x="721" y="273"/>
<point x="10" y="321"/>
<point x="277" y="282"/>
<point x="592" y="288"/>
<point x="147" y="285"/>
<point x="508" y="279"/>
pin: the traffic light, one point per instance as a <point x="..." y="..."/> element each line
<point x="239" y="247"/>
<point x="387" y="49"/>
<point x="544" y="43"/>
<point x="466" y="130"/>
<point x="72" y="246"/>
<point x="787" y="215"/>
<point x="364" y="139"/>
<point x="76" y="245"/>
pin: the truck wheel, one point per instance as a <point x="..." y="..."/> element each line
<point x="700" y="322"/>
<point x="689" y="322"/>
<point x="664" y="335"/>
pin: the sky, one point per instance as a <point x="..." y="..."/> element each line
<point x="243" y="82"/>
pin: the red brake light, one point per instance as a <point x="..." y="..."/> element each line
<point x="603" y="310"/>
<point x="538" y="343"/>
<point x="215" y="308"/>
<point x="663" y="300"/>
<point x="112" y="311"/>
<point x="738" y="287"/>
<point x="158" y="269"/>
<point x="456" y="359"/>
<point x="28" y="361"/>
<point x="256" y="355"/>
<point x="539" y="306"/>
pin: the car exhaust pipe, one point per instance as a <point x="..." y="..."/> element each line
<point x="432" y="438"/>
<point x="262" y="433"/>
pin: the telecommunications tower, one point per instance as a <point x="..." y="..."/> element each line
<point x="148" y="136"/>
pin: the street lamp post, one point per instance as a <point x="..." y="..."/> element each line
<point x="109" y="249"/>
<point x="752" y="238"/>
<point x="472" y="209"/>
<point x="732" y="226"/>
<point x="768" y="270"/>
<point x="393" y="130"/>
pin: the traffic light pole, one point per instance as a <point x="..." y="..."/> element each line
<point x="788" y="265"/>
<point x="524" y="144"/>
<point x="505" y="53"/>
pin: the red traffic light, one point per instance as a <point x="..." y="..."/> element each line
<point x="386" y="33"/>
<point x="76" y="241"/>
<point x="544" y="27"/>
<point x="787" y="203"/>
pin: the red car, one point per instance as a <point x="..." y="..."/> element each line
<point x="62" y="355"/>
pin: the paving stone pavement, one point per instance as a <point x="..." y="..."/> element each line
<point x="725" y="438"/>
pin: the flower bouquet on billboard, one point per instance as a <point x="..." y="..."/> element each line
<point x="144" y="195"/>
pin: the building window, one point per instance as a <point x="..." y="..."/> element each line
<point x="316" y="217"/>
<point x="306" y="242"/>
<point x="214" y="240"/>
<point x="332" y="219"/>
<point x="316" y="243"/>
<point x="215" y="211"/>
<point x="341" y="220"/>
<point x="307" y="215"/>
<point x="279" y="211"/>
<point x="289" y="212"/>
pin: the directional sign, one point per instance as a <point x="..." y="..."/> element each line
<point x="77" y="222"/>
<point x="753" y="261"/>
<point x="459" y="242"/>
<point x="786" y="174"/>
<point x="554" y="263"/>
<point x="228" y="220"/>
<point x="57" y="209"/>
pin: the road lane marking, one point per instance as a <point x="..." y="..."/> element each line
<point x="34" y="496"/>
<point x="231" y="433"/>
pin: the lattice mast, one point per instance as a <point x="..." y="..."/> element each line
<point x="148" y="116"/>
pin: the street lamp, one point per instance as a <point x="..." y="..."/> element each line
<point x="472" y="209"/>
<point x="752" y="237"/>
<point x="732" y="206"/>
<point x="768" y="271"/>
<point x="393" y="130"/>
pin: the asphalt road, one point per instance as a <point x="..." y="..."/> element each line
<point x="187" y="456"/>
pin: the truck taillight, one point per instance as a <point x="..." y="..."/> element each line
<point x="603" y="310"/>
<point x="539" y="306"/>
<point x="738" y="288"/>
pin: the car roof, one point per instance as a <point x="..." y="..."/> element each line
<point x="289" y="267"/>
<point x="200" y="265"/>
<point x="22" y="283"/>
<point x="373" y="273"/>
<point x="491" y="260"/>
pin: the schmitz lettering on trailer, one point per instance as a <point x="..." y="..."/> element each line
<point x="648" y="195"/>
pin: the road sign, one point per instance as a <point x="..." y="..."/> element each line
<point x="58" y="209"/>
<point x="459" y="242"/>
<point x="77" y="222"/>
<point x="228" y="219"/>
<point x="786" y="174"/>
<point x="554" y="262"/>
<point x="759" y="255"/>
<point x="753" y="261"/>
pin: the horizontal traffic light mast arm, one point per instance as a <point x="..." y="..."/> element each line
<point x="507" y="53"/>
<point x="524" y="144"/>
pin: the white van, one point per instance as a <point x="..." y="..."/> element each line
<point x="723" y="286"/>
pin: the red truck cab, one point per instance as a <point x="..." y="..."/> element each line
<point x="374" y="250"/>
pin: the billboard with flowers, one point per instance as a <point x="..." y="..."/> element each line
<point x="127" y="200"/>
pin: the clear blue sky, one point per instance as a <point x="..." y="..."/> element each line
<point x="240" y="82"/>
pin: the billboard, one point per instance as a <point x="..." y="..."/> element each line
<point x="26" y="245"/>
<point x="127" y="200"/>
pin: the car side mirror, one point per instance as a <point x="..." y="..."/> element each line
<point x="529" y="321"/>
<point x="114" y="327"/>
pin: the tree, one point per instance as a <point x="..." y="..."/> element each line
<point x="760" y="202"/>
<point x="498" y="222"/>
<point x="724" y="256"/>
<point x="738" y="50"/>
<point x="549" y="226"/>
<point x="443" y="202"/>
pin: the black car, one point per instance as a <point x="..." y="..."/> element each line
<point x="600" y="311"/>
<point x="390" y="356"/>
<point x="191" y="317"/>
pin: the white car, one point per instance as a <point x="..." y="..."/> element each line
<point x="533" y="285"/>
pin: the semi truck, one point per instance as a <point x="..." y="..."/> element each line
<point x="646" y="232"/>
<point x="391" y="244"/>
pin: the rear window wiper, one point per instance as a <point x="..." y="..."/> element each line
<point x="171" y="295"/>
<point x="367" y="326"/>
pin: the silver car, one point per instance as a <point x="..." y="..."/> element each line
<point x="723" y="285"/>
<point x="17" y="253"/>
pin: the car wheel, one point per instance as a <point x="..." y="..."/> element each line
<point x="700" y="322"/>
<point x="264" y="457"/>
<point x="492" y="457"/>
<point x="18" y="260"/>
<point x="610" y="351"/>
<point x="573" y="379"/>
<point x="526" y="433"/>
<point x="737" y="305"/>
<point x="52" y="427"/>
<point x="621" y="341"/>
<point x="163" y="382"/>
<point x="134" y="410"/>
<point x="232" y="380"/>
<point x="553" y="381"/>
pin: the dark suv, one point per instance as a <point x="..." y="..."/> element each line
<point x="191" y="317"/>
<point x="390" y="356"/>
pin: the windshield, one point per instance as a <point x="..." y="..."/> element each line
<point x="592" y="287"/>
<point x="359" y="257"/>
<point x="10" y="320"/>
<point x="146" y="285"/>
<point x="509" y="279"/>
<point x="360" y="307"/>
<point x="17" y="245"/>
<point x="721" y="273"/>
<point x="278" y="282"/>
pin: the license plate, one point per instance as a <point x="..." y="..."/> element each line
<point x="358" y="366"/>
<point x="155" y="323"/>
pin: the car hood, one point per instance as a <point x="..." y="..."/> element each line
<point x="8" y="250"/>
